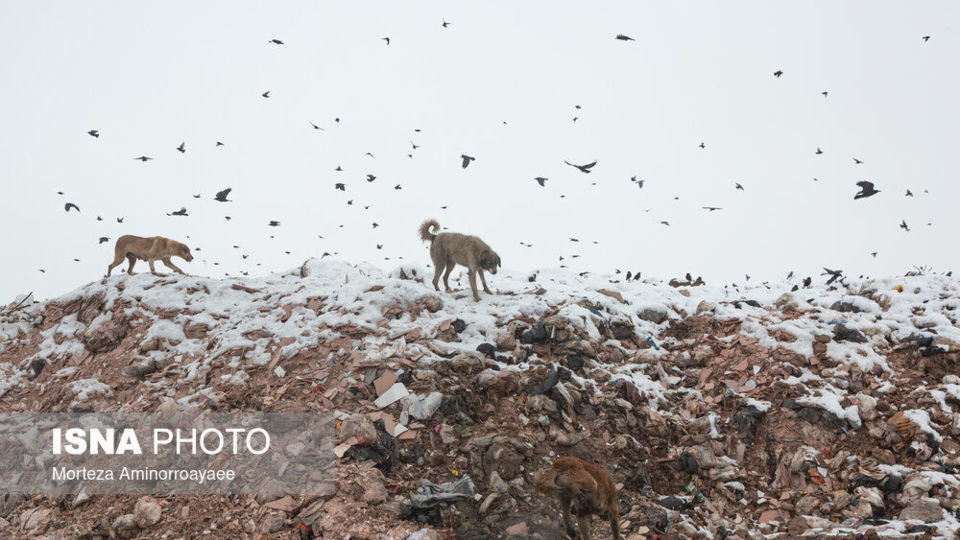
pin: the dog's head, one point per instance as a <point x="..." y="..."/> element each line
<point x="184" y="252"/>
<point x="489" y="261"/>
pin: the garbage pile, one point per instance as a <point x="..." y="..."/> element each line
<point x="720" y="412"/>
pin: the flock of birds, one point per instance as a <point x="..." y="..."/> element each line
<point x="867" y="188"/>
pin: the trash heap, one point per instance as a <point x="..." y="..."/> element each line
<point x="720" y="412"/>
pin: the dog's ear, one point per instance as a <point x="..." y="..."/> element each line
<point x="498" y="260"/>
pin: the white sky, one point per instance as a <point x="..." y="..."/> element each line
<point x="149" y="76"/>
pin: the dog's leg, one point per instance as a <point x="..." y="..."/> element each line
<point x="447" y="275"/>
<point x="565" y="502"/>
<point x="152" y="269"/>
<point x="132" y="259"/>
<point x="436" y="277"/>
<point x="170" y="265"/>
<point x="484" y="281"/>
<point x="584" y="526"/>
<point x="473" y="284"/>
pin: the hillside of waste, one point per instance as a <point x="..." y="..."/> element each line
<point x="720" y="412"/>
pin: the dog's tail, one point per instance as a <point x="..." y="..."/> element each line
<point x="425" y="227"/>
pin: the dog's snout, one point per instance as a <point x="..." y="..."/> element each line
<point x="493" y="270"/>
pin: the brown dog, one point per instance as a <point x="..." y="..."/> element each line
<point x="450" y="249"/>
<point x="152" y="249"/>
<point x="582" y="489"/>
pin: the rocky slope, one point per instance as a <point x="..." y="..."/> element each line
<point x="720" y="412"/>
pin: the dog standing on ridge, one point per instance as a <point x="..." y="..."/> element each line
<point x="156" y="248"/>
<point x="450" y="249"/>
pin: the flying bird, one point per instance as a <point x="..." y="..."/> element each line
<point x="222" y="195"/>
<point x="219" y="143"/>
<point x="909" y="193"/>
<point x="541" y="180"/>
<point x="274" y="223"/>
<point x="339" y="168"/>
<point x="834" y="274"/>
<point x="903" y="225"/>
<point x="445" y="23"/>
<point x="315" y="126"/>
<point x="397" y="187"/>
<point x="711" y="208"/>
<point x="623" y="37"/>
<point x="375" y="224"/>
<point x="275" y="41"/>
<point x="819" y="151"/>
<point x="119" y="220"/>
<point x="639" y="182"/>
<point x="266" y="94"/>
<point x="824" y="93"/>
<point x="386" y="39"/>
<point x="182" y="148"/>
<point x="104" y="239"/>
<point x="181" y="212"/>
<point x="857" y="161"/>
<point x="143" y="158"/>
<point x="777" y="73"/>
<point x="703" y="145"/>
<point x="466" y="160"/>
<point x="866" y="190"/>
<point x="925" y="38"/>
<point x="874" y="254"/>
<point x="583" y="168"/>
<point x="667" y="223"/>
<point x="94" y="133"/>
<point x="70" y="205"/>
<point x="340" y="186"/>
<point x="371" y="178"/>
<point x="197" y="196"/>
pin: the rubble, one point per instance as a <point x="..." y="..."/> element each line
<point x="719" y="413"/>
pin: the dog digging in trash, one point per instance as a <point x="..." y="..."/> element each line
<point x="583" y="489"/>
<point x="450" y="249"/>
<point x="156" y="248"/>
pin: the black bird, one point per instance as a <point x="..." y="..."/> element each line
<point x="368" y="154"/>
<point x="349" y="203"/>
<point x="94" y="133"/>
<point x="574" y="240"/>
<point x="315" y="126"/>
<point x="70" y="205"/>
<point x="99" y="218"/>
<point x="834" y="274"/>
<point x="909" y="193"/>
<point x="739" y="187"/>
<point x="711" y="208"/>
<point x="371" y="178"/>
<point x="874" y="253"/>
<point x="703" y="145"/>
<point x="807" y="281"/>
<point x="777" y="73"/>
<point x="541" y="180"/>
<point x="824" y="93"/>
<point x="339" y="168"/>
<point x="119" y="220"/>
<point x="445" y="23"/>
<point x="197" y="196"/>
<point x="275" y="41"/>
<point x="104" y="239"/>
<point x="866" y="190"/>
<point x="639" y="182"/>
<point x="414" y="145"/>
<point x="143" y="158"/>
<point x="628" y="275"/>
<point x="379" y="246"/>
<point x="42" y="271"/>
<point x="622" y="37"/>
<point x="386" y="39"/>
<point x="340" y="186"/>
<point x="688" y="277"/>
<point x="222" y="195"/>
<point x="819" y="151"/>
<point x="790" y="275"/>
<point x="583" y="168"/>
<point x="375" y="224"/>
<point x="466" y="160"/>
<point x="181" y="212"/>
<point x="857" y="161"/>
<point x="667" y="223"/>
<point x="274" y="223"/>
<point x="228" y="218"/>
<point x="182" y="148"/>
<point x="397" y="187"/>
<point x="903" y="225"/>
<point x="219" y="143"/>
<point x="925" y="38"/>
<point x="266" y="94"/>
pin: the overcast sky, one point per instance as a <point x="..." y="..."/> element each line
<point x="500" y="83"/>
